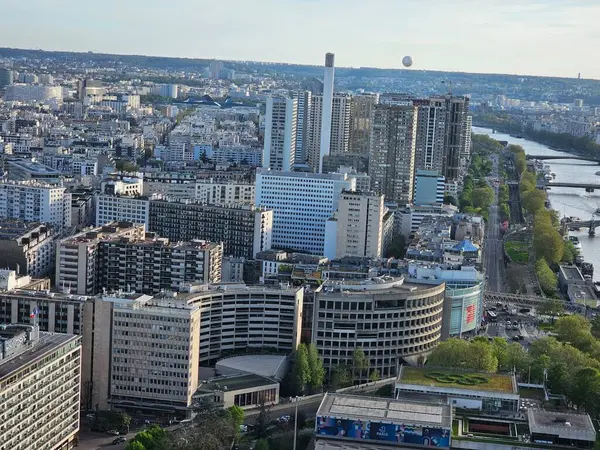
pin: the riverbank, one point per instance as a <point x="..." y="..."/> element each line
<point x="562" y="142"/>
<point x="566" y="201"/>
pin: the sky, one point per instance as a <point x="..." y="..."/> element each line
<point x="533" y="37"/>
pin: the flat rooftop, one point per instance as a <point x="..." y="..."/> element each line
<point x="262" y="365"/>
<point x="236" y="383"/>
<point x="564" y="425"/>
<point x="47" y="343"/>
<point x="445" y="378"/>
<point x="387" y="410"/>
<point x="12" y="228"/>
<point x="33" y="167"/>
<point x="571" y="273"/>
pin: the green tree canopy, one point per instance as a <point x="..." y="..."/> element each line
<point x="534" y="200"/>
<point x="315" y="366"/>
<point x="585" y="390"/>
<point x="237" y="414"/>
<point x="301" y="369"/>
<point x="482" y="197"/>
<point x="546" y="277"/>
<point x="341" y="376"/>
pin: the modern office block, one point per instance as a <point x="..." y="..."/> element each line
<point x="279" y="152"/>
<point x="6" y="77"/>
<point x="431" y="134"/>
<point x="40" y="379"/>
<point x="303" y="125"/>
<point x="154" y="367"/>
<point x="243" y="230"/>
<point x="301" y="204"/>
<point x="57" y="312"/>
<point x="120" y="208"/>
<point x="339" y="128"/>
<point x="457" y="109"/>
<point x="392" y="157"/>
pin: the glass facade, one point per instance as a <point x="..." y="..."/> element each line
<point x="467" y="305"/>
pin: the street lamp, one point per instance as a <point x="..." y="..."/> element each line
<point x="295" y="422"/>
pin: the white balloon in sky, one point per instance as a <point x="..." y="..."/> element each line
<point x="407" y="61"/>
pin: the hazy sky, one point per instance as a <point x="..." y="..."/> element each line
<point x="542" y="37"/>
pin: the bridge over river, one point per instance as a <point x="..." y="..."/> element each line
<point x="549" y="157"/>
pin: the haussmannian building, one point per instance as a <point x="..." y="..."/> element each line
<point x="40" y="379"/>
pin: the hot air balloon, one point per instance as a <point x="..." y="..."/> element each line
<point x="407" y="61"/>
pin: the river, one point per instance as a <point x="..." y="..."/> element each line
<point x="567" y="201"/>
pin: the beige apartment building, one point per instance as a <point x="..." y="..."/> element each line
<point x="359" y="227"/>
<point x="148" y="345"/>
<point x="39" y="389"/>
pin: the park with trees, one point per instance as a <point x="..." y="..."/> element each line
<point x="548" y="244"/>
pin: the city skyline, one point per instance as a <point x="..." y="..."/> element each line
<point x="512" y="36"/>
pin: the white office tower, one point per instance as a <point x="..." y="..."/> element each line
<point x="279" y="151"/>
<point x="327" y="108"/>
<point x="301" y="203"/>
<point x="392" y="156"/>
<point x="467" y="140"/>
<point x="358" y="226"/>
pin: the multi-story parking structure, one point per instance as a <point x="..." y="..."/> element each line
<point x="391" y="320"/>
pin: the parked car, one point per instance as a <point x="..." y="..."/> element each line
<point x="113" y="432"/>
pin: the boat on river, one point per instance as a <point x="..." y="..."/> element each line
<point x="575" y="241"/>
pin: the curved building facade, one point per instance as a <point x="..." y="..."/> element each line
<point x="235" y="318"/>
<point x="393" y="321"/>
<point x="466" y="299"/>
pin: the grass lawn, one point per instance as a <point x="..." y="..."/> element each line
<point x="518" y="251"/>
<point x="457" y="379"/>
<point x="546" y="326"/>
